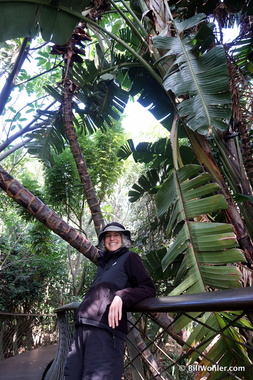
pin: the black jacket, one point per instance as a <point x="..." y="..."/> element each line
<point x="119" y="273"/>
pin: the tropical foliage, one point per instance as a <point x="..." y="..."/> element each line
<point x="200" y="87"/>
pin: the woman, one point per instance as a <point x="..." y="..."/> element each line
<point x="97" y="352"/>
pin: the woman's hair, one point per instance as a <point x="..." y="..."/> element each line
<point x="126" y="242"/>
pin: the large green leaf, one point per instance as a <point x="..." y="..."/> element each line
<point x="47" y="141"/>
<point x="146" y="152"/>
<point x="159" y="157"/>
<point x="200" y="80"/>
<point x="104" y="102"/>
<point x="206" y="247"/>
<point x="145" y="184"/>
<point x="55" y="20"/>
<point x="152" y="96"/>
<point x="204" y="252"/>
<point x="241" y="53"/>
<point x="126" y="150"/>
<point x="222" y="343"/>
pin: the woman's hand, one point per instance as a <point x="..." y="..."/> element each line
<point x="115" y="312"/>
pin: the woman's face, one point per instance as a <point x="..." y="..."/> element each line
<point x="113" y="240"/>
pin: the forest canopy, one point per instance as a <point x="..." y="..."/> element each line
<point x="65" y="158"/>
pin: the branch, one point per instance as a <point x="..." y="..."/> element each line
<point x="8" y="87"/>
<point x="20" y="133"/>
<point x="14" y="148"/>
<point x="38" y="75"/>
<point x="46" y="216"/>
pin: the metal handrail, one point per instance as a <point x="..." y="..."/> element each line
<point x="232" y="300"/>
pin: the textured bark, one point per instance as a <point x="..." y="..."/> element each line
<point x="81" y="165"/>
<point x="241" y="94"/>
<point x="9" y="84"/>
<point x="205" y="157"/>
<point x="46" y="216"/>
<point x="246" y="151"/>
<point x="68" y="52"/>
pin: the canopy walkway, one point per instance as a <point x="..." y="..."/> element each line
<point x="29" y="365"/>
<point x="163" y="351"/>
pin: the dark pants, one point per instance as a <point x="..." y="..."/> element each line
<point x="95" y="354"/>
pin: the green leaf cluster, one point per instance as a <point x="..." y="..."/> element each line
<point x="199" y="78"/>
<point x="188" y="194"/>
<point x="54" y="21"/>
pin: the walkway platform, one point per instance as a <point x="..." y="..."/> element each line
<point x="28" y="365"/>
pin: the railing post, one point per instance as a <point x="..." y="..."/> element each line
<point x="65" y="317"/>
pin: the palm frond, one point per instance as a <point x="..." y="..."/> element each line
<point x="151" y="96"/>
<point x="47" y="141"/>
<point x="126" y="150"/>
<point x="207" y="247"/>
<point x="104" y="102"/>
<point x="199" y="80"/>
<point x="226" y="351"/>
<point x="152" y="261"/>
<point x="145" y="183"/>
<point x="158" y="156"/>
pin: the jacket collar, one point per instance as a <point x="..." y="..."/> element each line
<point x="106" y="256"/>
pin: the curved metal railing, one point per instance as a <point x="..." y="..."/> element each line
<point x="159" y="348"/>
<point x="21" y="332"/>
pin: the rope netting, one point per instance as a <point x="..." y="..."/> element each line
<point x="24" y="332"/>
<point x="169" y="353"/>
<point x="180" y="338"/>
<point x="184" y="346"/>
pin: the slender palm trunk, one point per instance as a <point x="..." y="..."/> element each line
<point x="67" y="115"/>
<point x="205" y="157"/>
<point x="81" y="165"/>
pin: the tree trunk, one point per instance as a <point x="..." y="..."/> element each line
<point x="9" y="84"/>
<point x="68" y="53"/>
<point x="205" y="157"/>
<point x="46" y="216"/>
<point x="81" y="165"/>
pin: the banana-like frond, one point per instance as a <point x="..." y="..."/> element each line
<point x="103" y="100"/>
<point x="198" y="79"/>
<point x="83" y="75"/>
<point x="151" y="95"/>
<point x="156" y="153"/>
<point x="53" y="19"/>
<point x="147" y="152"/>
<point x="241" y="53"/>
<point x="127" y="35"/>
<point x="222" y="343"/>
<point x="145" y="184"/>
<point x="152" y="261"/>
<point x="47" y="141"/>
<point x="126" y="150"/>
<point x="204" y="253"/>
<point x="207" y="247"/>
<point x="97" y="103"/>
<point x="159" y="157"/>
